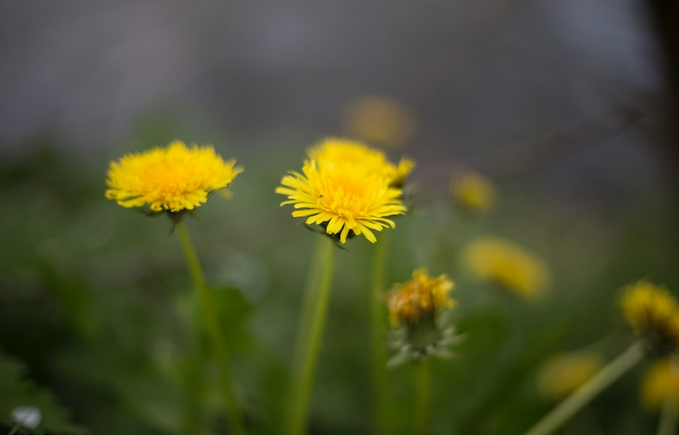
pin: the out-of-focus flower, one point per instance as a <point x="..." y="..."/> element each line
<point x="653" y="314"/>
<point x="358" y="156"/>
<point x="175" y="178"/>
<point x="502" y="262"/>
<point x="342" y="198"/>
<point x="473" y="191"/>
<point x="658" y="382"/>
<point x="564" y="373"/>
<point x="419" y="299"/>
<point x="398" y="174"/>
<point x="416" y="307"/>
<point x="380" y="120"/>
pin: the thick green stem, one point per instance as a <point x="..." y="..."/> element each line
<point x="422" y="398"/>
<point x="303" y="385"/>
<point x="233" y="411"/>
<point x="378" y="339"/>
<point x="583" y="395"/>
<point x="668" y="418"/>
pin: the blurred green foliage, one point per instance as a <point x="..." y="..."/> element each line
<point x="97" y="302"/>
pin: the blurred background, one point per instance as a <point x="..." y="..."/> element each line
<point x="568" y="107"/>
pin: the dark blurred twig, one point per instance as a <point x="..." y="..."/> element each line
<point x="516" y="160"/>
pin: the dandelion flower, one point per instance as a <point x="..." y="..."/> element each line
<point x="564" y="373"/>
<point x="508" y="265"/>
<point x="342" y="198"/>
<point x="657" y="383"/>
<point x="175" y="178"/>
<point x="653" y="314"/>
<point x="419" y="298"/>
<point x="348" y="153"/>
<point x="380" y="120"/>
<point x="473" y="191"/>
<point x="418" y="311"/>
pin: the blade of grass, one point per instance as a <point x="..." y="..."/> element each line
<point x="583" y="395"/>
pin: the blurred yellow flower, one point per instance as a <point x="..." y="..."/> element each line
<point x="653" y="313"/>
<point x="564" y="373"/>
<point x="657" y="383"/>
<point x="342" y="198"/>
<point x="508" y="265"/>
<point x="398" y="174"/>
<point x="344" y="152"/>
<point x="380" y="120"/>
<point x="473" y="191"/>
<point x="173" y="178"/>
<point x="419" y="298"/>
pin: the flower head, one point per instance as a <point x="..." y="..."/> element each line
<point x="175" y="178"/>
<point x="653" y="314"/>
<point x="419" y="298"/>
<point x="504" y="263"/>
<point x="359" y="157"/>
<point x="658" y="382"/>
<point x="419" y="309"/>
<point x="473" y="192"/>
<point x="342" y="198"/>
<point x="562" y="374"/>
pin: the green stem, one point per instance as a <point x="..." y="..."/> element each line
<point x="422" y="398"/>
<point x="309" y="299"/>
<point x="233" y="411"/>
<point x="668" y="418"/>
<point x="378" y="338"/>
<point x="583" y="395"/>
<point x="301" y="390"/>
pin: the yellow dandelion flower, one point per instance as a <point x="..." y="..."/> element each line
<point x="473" y="191"/>
<point x="342" y="198"/>
<point x="504" y="263"/>
<point x="419" y="298"/>
<point x="380" y="120"/>
<point x="657" y="383"/>
<point x="653" y="313"/>
<point x="343" y="152"/>
<point x="564" y="373"/>
<point x="175" y="178"/>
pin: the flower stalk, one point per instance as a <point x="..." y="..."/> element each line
<point x="232" y="410"/>
<point x="422" y="398"/>
<point x="303" y="384"/>
<point x="583" y="395"/>
<point x="378" y="339"/>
